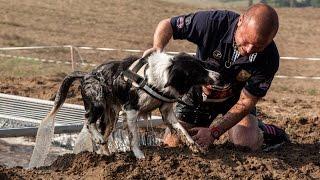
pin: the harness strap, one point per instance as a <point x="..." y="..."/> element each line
<point x="140" y="82"/>
<point x="160" y="96"/>
<point x="131" y="74"/>
<point x="138" y="66"/>
<point x="156" y="95"/>
<point x="134" y="78"/>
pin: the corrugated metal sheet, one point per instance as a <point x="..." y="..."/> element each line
<point x="28" y="111"/>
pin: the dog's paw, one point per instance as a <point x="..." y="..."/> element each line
<point x="103" y="149"/>
<point x="98" y="139"/>
<point x="138" y="153"/>
<point x="203" y="150"/>
<point x="195" y="148"/>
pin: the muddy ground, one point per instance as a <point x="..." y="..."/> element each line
<point x="291" y="104"/>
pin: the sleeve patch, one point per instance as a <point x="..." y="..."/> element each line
<point x="264" y="86"/>
<point x="180" y="22"/>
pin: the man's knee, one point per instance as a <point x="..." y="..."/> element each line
<point x="247" y="133"/>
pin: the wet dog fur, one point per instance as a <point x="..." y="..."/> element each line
<point x="105" y="93"/>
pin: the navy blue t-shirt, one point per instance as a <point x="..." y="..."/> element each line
<point x="213" y="33"/>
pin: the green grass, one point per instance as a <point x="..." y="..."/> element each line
<point x="283" y="88"/>
<point x="312" y="92"/>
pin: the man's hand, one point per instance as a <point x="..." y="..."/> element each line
<point x="161" y="37"/>
<point x="203" y="136"/>
<point x="150" y="51"/>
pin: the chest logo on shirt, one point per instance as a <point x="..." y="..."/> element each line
<point x="243" y="75"/>
<point x="217" y="55"/>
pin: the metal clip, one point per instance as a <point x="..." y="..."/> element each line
<point x="227" y="64"/>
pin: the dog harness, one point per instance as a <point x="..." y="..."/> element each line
<point x="136" y="76"/>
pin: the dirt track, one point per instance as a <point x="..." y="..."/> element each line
<point x="224" y="161"/>
<point x="291" y="104"/>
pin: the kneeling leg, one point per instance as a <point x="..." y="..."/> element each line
<point x="247" y="133"/>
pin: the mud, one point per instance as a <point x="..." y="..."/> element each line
<point x="297" y="161"/>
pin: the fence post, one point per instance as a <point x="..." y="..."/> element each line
<point x="72" y="58"/>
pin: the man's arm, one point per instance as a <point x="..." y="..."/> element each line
<point x="161" y="37"/>
<point x="205" y="136"/>
<point x="241" y="109"/>
<point x="162" y="34"/>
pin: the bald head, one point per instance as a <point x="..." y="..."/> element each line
<point x="263" y="18"/>
<point x="256" y="29"/>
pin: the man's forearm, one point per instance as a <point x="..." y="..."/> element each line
<point x="162" y="34"/>
<point x="242" y="108"/>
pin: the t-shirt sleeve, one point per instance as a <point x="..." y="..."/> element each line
<point x="193" y="26"/>
<point x="260" y="82"/>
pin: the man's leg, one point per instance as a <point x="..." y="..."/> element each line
<point x="252" y="133"/>
<point x="272" y="135"/>
<point x="247" y="133"/>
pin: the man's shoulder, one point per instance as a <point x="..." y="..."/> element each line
<point x="271" y="51"/>
<point x="203" y="18"/>
<point x="218" y="14"/>
<point x="269" y="58"/>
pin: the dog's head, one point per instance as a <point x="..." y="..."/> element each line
<point x="187" y="71"/>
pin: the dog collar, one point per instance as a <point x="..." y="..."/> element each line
<point x="215" y="92"/>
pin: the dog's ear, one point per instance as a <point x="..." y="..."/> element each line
<point x="171" y="81"/>
<point x="177" y="79"/>
<point x="174" y="76"/>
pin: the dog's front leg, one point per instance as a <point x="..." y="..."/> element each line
<point x="132" y="116"/>
<point x="172" y="122"/>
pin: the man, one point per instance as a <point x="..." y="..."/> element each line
<point x="241" y="47"/>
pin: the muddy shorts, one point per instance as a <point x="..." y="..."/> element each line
<point x="201" y="114"/>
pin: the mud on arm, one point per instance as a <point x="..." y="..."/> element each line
<point x="241" y="109"/>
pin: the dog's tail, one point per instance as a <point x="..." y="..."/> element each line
<point x="46" y="128"/>
<point x="64" y="88"/>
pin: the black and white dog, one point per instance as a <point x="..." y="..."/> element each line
<point x="107" y="90"/>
